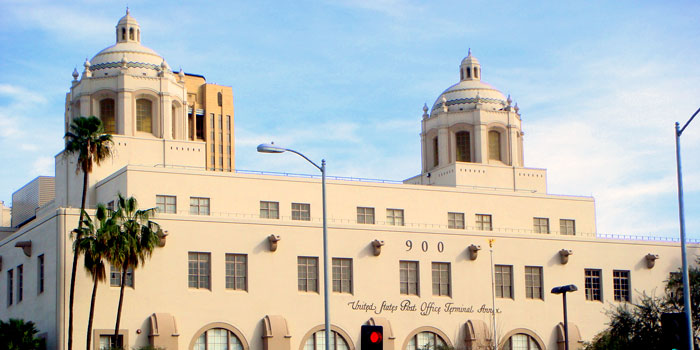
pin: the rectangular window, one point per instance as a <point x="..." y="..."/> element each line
<point x="237" y="271"/>
<point x="20" y="283"/>
<point x="307" y="267"/>
<point x="269" y="210"/>
<point x="199" y="270"/>
<point x="621" y="285"/>
<point x="199" y="206"/>
<point x="365" y="215"/>
<point x="10" y="287"/>
<point x="504" y="281"/>
<point x="533" y="282"/>
<point x="567" y="227"/>
<point x="301" y="211"/>
<point x="455" y="220"/>
<point x="115" y="277"/>
<point x="541" y="225"/>
<point x="342" y="275"/>
<point x="108" y="342"/>
<point x="408" y="275"/>
<point x="221" y="162"/>
<point x="40" y="274"/>
<point x="441" y="279"/>
<point x="483" y="222"/>
<point x="213" y="148"/>
<point x="228" y="123"/>
<point x="166" y="204"/>
<point x="221" y="121"/>
<point x="593" y="284"/>
<point x="394" y="217"/>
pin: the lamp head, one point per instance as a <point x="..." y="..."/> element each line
<point x="564" y="289"/>
<point x="270" y="148"/>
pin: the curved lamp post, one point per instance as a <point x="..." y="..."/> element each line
<point x="272" y="148"/>
<point x="681" y="216"/>
<point x="563" y="290"/>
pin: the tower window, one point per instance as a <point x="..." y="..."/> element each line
<point x="107" y="115"/>
<point x="494" y="145"/>
<point x="463" y="149"/>
<point x="469" y="72"/>
<point x="144" y="115"/>
<point x="220" y="98"/>
<point x="123" y="33"/>
<point x="131" y="33"/>
<point x="436" y="153"/>
<point x="476" y="72"/>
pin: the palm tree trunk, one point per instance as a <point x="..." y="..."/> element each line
<point x="121" y="299"/>
<point x="92" y="313"/>
<point x="75" y="265"/>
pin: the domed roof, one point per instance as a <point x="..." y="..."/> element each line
<point x="132" y="51"/>
<point x="470" y="89"/>
<point x="127" y="19"/>
<point x="128" y="51"/>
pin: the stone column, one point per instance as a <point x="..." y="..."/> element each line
<point x="125" y="114"/>
<point x="85" y="105"/>
<point x="443" y="146"/>
<point x="481" y="139"/>
<point x="166" y="119"/>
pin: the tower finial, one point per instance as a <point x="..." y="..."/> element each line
<point x="127" y="10"/>
<point x="469" y="53"/>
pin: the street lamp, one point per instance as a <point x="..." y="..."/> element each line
<point x="563" y="290"/>
<point x="272" y="148"/>
<point x="681" y="216"/>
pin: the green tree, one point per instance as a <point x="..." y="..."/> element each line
<point x="20" y="335"/>
<point x="87" y="139"/>
<point x="93" y="245"/>
<point x="638" y="326"/>
<point x="135" y="239"/>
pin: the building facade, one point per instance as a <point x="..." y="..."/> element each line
<point x="463" y="254"/>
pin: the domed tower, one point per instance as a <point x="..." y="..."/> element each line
<point x="130" y="88"/>
<point x="157" y="117"/>
<point x="472" y="129"/>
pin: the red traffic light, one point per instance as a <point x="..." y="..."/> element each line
<point x="375" y="337"/>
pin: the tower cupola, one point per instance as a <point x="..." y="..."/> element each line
<point x="470" y="69"/>
<point x="128" y="30"/>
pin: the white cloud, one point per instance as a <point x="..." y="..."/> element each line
<point x="43" y="166"/>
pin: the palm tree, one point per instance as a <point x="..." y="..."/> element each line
<point x="137" y="238"/>
<point x="93" y="244"/>
<point x="17" y="334"/>
<point x="86" y="138"/>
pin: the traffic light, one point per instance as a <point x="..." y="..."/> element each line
<point x="371" y="338"/>
<point x="674" y="330"/>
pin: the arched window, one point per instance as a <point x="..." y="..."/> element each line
<point x="476" y="72"/>
<point x="131" y="33"/>
<point x="107" y="115"/>
<point x="436" y="152"/>
<point x="218" y="339"/>
<point x="123" y="33"/>
<point x="144" y="115"/>
<point x="521" y="341"/>
<point x="317" y="341"/>
<point x="494" y="145"/>
<point x="469" y="72"/>
<point x="220" y="98"/>
<point x="174" y="121"/>
<point x="463" y="147"/>
<point x="425" y="340"/>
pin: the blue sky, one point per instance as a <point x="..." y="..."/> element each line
<point x="599" y="84"/>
